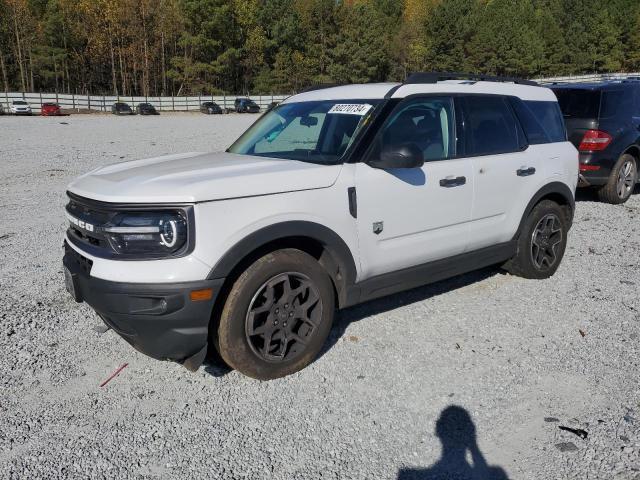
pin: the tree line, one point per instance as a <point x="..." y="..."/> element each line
<point x="179" y="47"/>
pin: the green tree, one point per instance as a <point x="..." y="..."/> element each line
<point x="361" y="52"/>
<point x="505" y="40"/>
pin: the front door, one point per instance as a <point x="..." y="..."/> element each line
<point x="408" y="217"/>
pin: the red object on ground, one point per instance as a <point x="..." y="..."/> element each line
<point x="50" y="109"/>
<point x="114" y="374"/>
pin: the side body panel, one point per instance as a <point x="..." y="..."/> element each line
<point x="421" y="220"/>
<point x="220" y="225"/>
<point x="501" y="195"/>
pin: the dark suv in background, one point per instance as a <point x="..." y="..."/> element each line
<point x="603" y="122"/>
<point x="246" y="105"/>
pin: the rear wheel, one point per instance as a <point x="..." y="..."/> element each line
<point x="277" y="315"/>
<point x="621" y="182"/>
<point x="542" y="242"/>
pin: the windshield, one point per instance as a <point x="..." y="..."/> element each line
<point x="19" y="102"/>
<point x="318" y="132"/>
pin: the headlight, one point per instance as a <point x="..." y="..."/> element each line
<point x="155" y="234"/>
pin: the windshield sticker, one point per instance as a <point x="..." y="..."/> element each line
<point x="351" y="108"/>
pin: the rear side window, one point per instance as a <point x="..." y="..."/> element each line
<point x="578" y="102"/>
<point x="542" y="121"/>
<point x="490" y="126"/>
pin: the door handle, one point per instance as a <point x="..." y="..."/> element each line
<point x="525" y="172"/>
<point x="453" y="182"/>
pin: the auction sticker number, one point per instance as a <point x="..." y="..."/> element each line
<point x="351" y="108"/>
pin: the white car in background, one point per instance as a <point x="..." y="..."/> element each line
<point x="20" y="107"/>
<point x="334" y="197"/>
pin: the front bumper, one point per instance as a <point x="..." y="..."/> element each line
<point x="159" y="320"/>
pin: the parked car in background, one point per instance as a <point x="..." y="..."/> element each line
<point x="336" y="197"/>
<point x="246" y="105"/>
<point x="121" y="108"/>
<point x="603" y="122"/>
<point x="146" y="109"/>
<point x="20" y="107"/>
<point x="210" y="108"/>
<point x="50" y="109"/>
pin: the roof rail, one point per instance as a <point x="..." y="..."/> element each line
<point x="434" y="77"/>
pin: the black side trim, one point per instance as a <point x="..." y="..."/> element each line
<point x="556" y="188"/>
<point x="435" y="271"/>
<point x="393" y="90"/>
<point x="344" y="274"/>
<point x="353" y="201"/>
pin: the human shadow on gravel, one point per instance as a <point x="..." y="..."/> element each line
<point x="346" y="317"/>
<point x="590" y="194"/>
<point x="457" y="433"/>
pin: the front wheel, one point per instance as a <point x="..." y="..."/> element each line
<point x="277" y="315"/>
<point x="541" y="243"/>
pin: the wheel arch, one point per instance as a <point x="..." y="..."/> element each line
<point x="317" y="240"/>
<point x="555" y="191"/>
<point x="634" y="151"/>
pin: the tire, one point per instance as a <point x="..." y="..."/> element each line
<point x="542" y="242"/>
<point x="622" y="181"/>
<point x="261" y="332"/>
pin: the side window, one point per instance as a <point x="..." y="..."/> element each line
<point x="427" y="123"/>
<point x="533" y="129"/>
<point x="490" y="126"/>
<point x="549" y="117"/>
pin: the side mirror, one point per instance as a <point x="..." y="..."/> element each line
<point x="405" y="155"/>
<point x="309" y="121"/>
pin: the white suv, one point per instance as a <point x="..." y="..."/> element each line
<point x="336" y="196"/>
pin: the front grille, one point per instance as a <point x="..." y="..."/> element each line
<point x="91" y="214"/>
<point x="83" y="262"/>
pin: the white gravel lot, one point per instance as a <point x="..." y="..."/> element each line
<point x="519" y="357"/>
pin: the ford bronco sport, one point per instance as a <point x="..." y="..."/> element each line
<point x="336" y="196"/>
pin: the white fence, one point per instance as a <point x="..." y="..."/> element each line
<point x="103" y="103"/>
<point x="595" y="77"/>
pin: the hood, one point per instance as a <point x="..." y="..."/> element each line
<point x="198" y="177"/>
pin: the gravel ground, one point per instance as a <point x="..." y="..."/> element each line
<point x="486" y="362"/>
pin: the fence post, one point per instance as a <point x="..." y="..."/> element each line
<point x="41" y="100"/>
<point x="73" y="101"/>
<point x="104" y="104"/>
<point x="88" y="102"/>
<point x="173" y="103"/>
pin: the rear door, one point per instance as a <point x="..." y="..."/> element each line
<point x="507" y="174"/>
